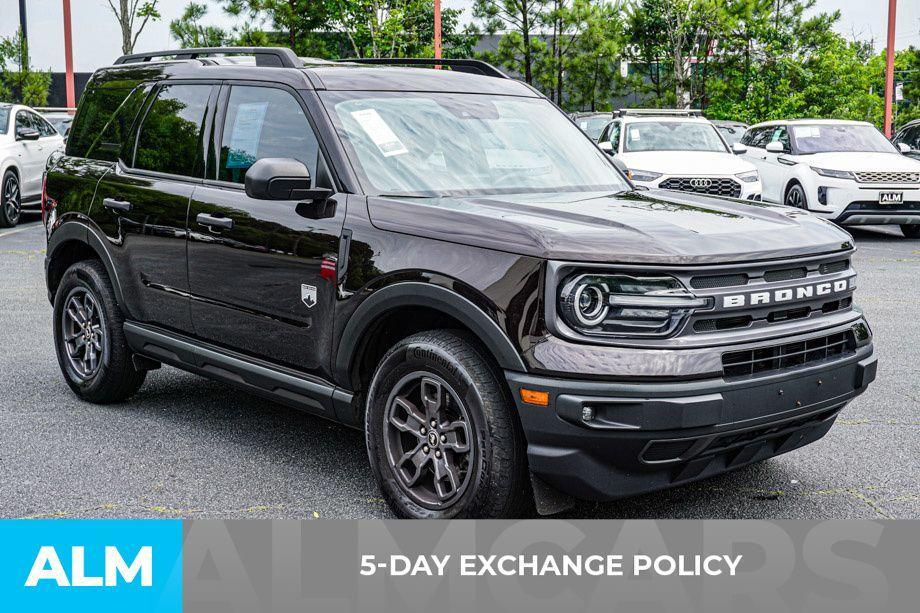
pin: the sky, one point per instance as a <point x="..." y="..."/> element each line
<point x="97" y="39"/>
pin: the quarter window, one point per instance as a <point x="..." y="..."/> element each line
<point x="170" y="135"/>
<point x="264" y="122"/>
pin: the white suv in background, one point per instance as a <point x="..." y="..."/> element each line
<point x="845" y="171"/>
<point x="679" y="150"/>
<point x="26" y="142"/>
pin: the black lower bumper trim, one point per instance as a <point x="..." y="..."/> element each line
<point x="638" y="438"/>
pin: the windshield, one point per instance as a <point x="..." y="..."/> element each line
<point x="672" y="136"/>
<point x="732" y="134"/>
<point x="593" y="126"/>
<point x="439" y="144"/>
<point x="4" y="118"/>
<point x="824" y="138"/>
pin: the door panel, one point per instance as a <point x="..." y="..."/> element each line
<point x="264" y="286"/>
<point x="31" y="156"/>
<point x="141" y="205"/>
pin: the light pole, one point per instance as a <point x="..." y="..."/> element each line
<point x="68" y="58"/>
<point x="889" y="66"/>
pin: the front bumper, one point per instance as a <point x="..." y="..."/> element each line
<point x="849" y="202"/>
<point x="643" y="437"/>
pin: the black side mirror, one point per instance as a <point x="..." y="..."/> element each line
<point x="281" y="179"/>
<point x="27" y="134"/>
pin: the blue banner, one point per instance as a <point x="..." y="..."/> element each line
<point x="91" y="565"/>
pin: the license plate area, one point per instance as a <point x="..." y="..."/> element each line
<point x="890" y="197"/>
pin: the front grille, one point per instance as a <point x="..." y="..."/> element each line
<point x="704" y="185"/>
<point x="714" y="281"/>
<point x="718" y="324"/>
<point x="888" y="177"/>
<point x="785" y="274"/>
<point x="781" y="357"/>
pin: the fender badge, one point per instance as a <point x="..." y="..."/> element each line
<point x="308" y="295"/>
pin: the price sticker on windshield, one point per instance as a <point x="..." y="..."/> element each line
<point x="381" y="133"/>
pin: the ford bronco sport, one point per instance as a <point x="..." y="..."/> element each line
<point x="444" y="260"/>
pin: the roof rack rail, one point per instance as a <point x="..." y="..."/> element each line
<point x="659" y="112"/>
<point x="278" y="57"/>
<point x="460" y="65"/>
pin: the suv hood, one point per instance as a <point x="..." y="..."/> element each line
<point x="860" y="161"/>
<point x="687" y="163"/>
<point x="656" y="226"/>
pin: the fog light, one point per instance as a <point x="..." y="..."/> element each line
<point x="822" y="194"/>
<point x="587" y="413"/>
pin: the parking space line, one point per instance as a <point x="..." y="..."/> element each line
<point x="17" y="231"/>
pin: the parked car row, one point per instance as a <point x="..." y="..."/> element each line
<point x="844" y="171"/>
<point x="27" y="140"/>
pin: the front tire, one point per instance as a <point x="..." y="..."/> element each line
<point x="442" y="438"/>
<point x="795" y="197"/>
<point x="89" y="339"/>
<point x="911" y="230"/>
<point x="10" y="200"/>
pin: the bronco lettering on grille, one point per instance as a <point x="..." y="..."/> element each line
<point x="788" y="294"/>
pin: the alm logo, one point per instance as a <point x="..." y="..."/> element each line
<point x="48" y="567"/>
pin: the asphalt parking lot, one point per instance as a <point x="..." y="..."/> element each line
<point x="188" y="447"/>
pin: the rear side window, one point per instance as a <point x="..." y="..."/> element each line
<point x="263" y="122"/>
<point x="97" y="106"/>
<point x="111" y="145"/>
<point x="4" y="119"/>
<point x="169" y="139"/>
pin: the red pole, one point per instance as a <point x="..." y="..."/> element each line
<point x="68" y="58"/>
<point x="889" y="66"/>
<point x="437" y="29"/>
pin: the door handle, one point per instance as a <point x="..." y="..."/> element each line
<point x="116" y="205"/>
<point x="214" y="222"/>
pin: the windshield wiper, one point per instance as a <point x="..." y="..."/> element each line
<point x="417" y="196"/>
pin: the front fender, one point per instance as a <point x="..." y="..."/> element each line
<point x="412" y="293"/>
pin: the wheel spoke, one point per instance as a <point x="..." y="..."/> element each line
<point x="431" y="397"/>
<point x="414" y="420"/>
<point x="445" y="478"/>
<point x="457" y="436"/>
<point x="411" y="466"/>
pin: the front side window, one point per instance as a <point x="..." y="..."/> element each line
<point x="439" y="144"/>
<point x="829" y="137"/>
<point x="170" y="136"/>
<point x="615" y="135"/>
<point x="672" y="136"/>
<point x="264" y="122"/>
<point x="24" y="121"/>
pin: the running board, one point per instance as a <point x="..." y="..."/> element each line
<point x="285" y="385"/>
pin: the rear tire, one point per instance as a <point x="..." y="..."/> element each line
<point x="441" y="436"/>
<point x="795" y="197"/>
<point x="911" y="230"/>
<point x="10" y="200"/>
<point x="89" y="338"/>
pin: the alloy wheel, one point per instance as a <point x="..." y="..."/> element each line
<point x="795" y="198"/>
<point x="428" y="440"/>
<point x="11" y="203"/>
<point x="83" y="333"/>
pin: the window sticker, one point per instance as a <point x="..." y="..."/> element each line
<point x="583" y="125"/>
<point x="634" y="134"/>
<point x="246" y="134"/>
<point x="384" y="137"/>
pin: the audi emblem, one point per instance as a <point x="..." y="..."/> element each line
<point x="700" y="182"/>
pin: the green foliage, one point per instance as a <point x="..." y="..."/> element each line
<point x="190" y="32"/>
<point x="18" y="82"/>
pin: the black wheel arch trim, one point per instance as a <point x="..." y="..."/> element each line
<point x="411" y="293"/>
<point x="70" y="231"/>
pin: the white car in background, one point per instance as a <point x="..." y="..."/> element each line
<point x="26" y="142"/>
<point x="845" y="171"/>
<point x="679" y="150"/>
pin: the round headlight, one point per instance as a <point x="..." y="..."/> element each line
<point x="589" y="304"/>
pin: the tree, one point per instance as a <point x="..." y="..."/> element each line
<point x="301" y="25"/>
<point x="520" y="47"/>
<point x="190" y="32"/>
<point x="127" y="13"/>
<point x="18" y="81"/>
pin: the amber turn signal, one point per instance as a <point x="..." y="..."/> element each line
<point x="535" y="397"/>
